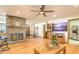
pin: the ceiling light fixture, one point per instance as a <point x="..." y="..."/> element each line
<point x="41" y="13"/>
<point x="54" y="15"/>
<point x="76" y="6"/>
<point x="18" y="12"/>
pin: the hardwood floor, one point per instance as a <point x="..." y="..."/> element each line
<point x="27" y="47"/>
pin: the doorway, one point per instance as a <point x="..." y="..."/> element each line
<point x="73" y="32"/>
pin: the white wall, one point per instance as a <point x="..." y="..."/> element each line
<point x="40" y="29"/>
<point x="32" y="27"/>
<point x="3" y="19"/>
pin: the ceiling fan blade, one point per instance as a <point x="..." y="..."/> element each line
<point x="44" y="14"/>
<point x="38" y="14"/>
<point x="34" y="10"/>
<point x="49" y="11"/>
<point x="42" y="8"/>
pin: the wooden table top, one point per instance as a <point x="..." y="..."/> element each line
<point x="44" y="50"/>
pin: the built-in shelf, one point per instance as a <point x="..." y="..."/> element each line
<point x="16" y="26"/>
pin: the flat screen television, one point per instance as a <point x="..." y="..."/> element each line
<point x="60" y="26"/>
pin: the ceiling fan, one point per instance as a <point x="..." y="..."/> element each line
<point x="42" y="11"/>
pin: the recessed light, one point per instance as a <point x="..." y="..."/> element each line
<point x="75" y="5"/>
<point x="54" y="15"/>
<point x="18" y="12"/>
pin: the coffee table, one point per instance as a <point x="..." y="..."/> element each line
<point x="42" y="49"/>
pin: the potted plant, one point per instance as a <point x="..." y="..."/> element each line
<point x="53" y="44"/>
<point x="54" y="41"/>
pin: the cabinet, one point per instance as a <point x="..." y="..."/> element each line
<point x="47" y="31"/>
<point x="16" y="36"/>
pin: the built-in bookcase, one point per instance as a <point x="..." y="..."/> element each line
<point x="16" y="28"/>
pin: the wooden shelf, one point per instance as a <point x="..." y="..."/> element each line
<point x="17" y="26"/>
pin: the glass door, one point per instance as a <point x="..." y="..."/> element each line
<point x="2" y="27"/>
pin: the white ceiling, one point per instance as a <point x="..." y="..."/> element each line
<point x="60" y="11"/>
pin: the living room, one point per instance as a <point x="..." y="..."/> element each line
<point x="24" y="29"/>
